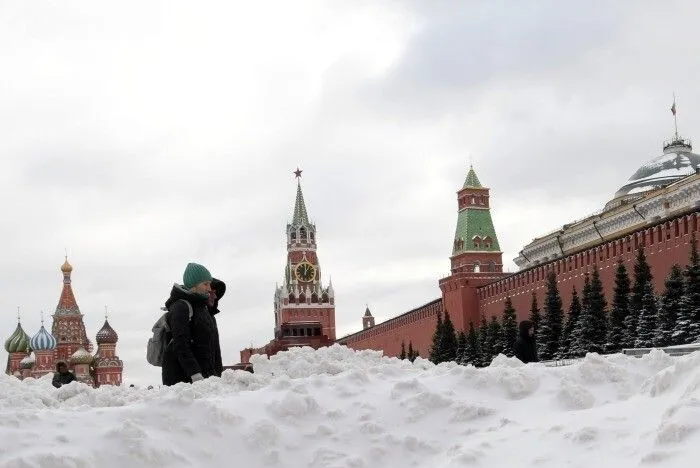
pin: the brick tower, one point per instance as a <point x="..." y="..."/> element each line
<point x="476" y="256"/>
<point x="303" y="307"/>
<point x="108" y="367"/>
<point x="68" y="326"/>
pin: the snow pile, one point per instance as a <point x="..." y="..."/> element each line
<point x="338" y="408"/>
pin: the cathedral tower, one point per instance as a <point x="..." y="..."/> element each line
<point x="17" y="347"/>
<point x="302" y="305"/>
<point x="108" y="366"/>
<point x="476" y="256"/>
<point x="68" y="326"/>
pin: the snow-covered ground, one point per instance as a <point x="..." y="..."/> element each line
<point x="339" y="408"/>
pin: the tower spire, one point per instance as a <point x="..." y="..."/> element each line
<point x="300" y="216"/>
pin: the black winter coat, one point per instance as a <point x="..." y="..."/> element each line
<point x="195" y="343"/>
<point x="525" y="346"/>
<point x="220" y="288"/>
<point x="62" y="378"/>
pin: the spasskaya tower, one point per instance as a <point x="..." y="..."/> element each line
<point x="303" y="305"/>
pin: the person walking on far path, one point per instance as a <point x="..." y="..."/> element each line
<point x="525" y="347"/>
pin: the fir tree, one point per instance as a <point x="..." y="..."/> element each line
<point x="495" y="337"/>
<point x="598" y="314"/>
<point x="688" y="324"/>
<point x="402" y="354"/>
<point x="510" y="328"/>
<point x="582" y="331"/>
<point x="448" y="340"/>
<point x="472" y="354"/>
<point x="669" y="308"/>
<point x="484" y="346"/>
<point x="642" y="276"/>
<point x="410" y="356"/>
<point x="437" y="341"/>
<point x="646" y="323"/>
<point x="461" y="347"/>
<point x="620" y="309"/>
<point x="568" y="336"/>
<point x="552" y="320"/>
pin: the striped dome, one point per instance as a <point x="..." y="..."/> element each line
<point x="81" y="356"/>
<point x="43" y="340"/>
<point x="18" y="342"/>
<point x="27" y="362"/>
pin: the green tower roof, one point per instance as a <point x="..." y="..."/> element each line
<point x="472" y="181"/>
<point x="18" y="342"/>
<point x="300" y="216"/>
<point x="475" y="231"/>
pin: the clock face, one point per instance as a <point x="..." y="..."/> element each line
<point x="305" y="271"/>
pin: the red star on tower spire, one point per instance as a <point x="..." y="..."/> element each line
<point x="297" y="173"/>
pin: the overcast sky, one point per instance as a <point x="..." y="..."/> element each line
<point x="144" y="135"/>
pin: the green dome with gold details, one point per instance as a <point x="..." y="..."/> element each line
<point x="18" y="342"/>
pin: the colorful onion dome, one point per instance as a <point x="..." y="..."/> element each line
<point x="107" y="334"/>
<point x="18" y="342"/>
<point x="27" y="362"/>
<point x="81" y="356"/>
<point x="42" y="341"/>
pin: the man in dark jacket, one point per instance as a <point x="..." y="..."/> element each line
<point x="62" y="376"/>
<point x="525" y="346"/>
<point x="191" y="354"/>
<point x="218" y="289"/>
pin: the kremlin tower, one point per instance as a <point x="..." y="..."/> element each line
<point x="67" y="342"/>
<point x="304" y="310"/>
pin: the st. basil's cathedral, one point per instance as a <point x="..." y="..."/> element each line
<point x="68" y="342"/>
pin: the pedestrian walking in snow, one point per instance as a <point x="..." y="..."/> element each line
<point x="191" y="355"/>
<point x="525" y="347"/>
<point x="62" y="376"/>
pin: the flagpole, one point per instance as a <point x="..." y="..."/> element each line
<point x="675" y="118"/>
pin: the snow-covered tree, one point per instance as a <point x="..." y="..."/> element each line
<point x="598" y="313"/>
<point x="461" y="347"/>
<point x="510" y="328"/>
<point x="535" y="316"/>
<point x="472" y="354"/>
<point x="551" y="325"/>
<point x="568" y="336"/>
<point x="495" y="337"/>
<point x="412" y="354"/>
<point x="448" y="340"/>
<point x="582" y="331"/>
<point x="619" y="310"/>
<point x="437" y="341"/>
<point x="642" y="276"/>
<point x="646" y="323"/>
<point x="688" y="324"/>
<point x="669" y="308"/>
<point x="402" y="354"/>
<point x="484" y="345"/>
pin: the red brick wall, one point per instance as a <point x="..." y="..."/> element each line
<point x="416" y="327"/>
<point x="665" y="244"/>
<point x="325" y="315"/>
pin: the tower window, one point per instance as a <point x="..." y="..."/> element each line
<point x="302" y="235"/>
<point x="293" y="236"/>
<point x="477" y="241"/>
<point x="477" y="267"/>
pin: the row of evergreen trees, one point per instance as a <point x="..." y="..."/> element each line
<point x="637" y="318"/>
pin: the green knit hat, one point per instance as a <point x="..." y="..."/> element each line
<point x="195" y="274"/>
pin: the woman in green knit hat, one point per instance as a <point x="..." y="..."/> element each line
<point x="191" y="355"/>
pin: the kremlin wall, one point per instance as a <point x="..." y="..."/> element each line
<point x="657" y="209"/>
<point x="68" y="342"/>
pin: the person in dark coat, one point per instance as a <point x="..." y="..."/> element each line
<point x="218" y="289"/>
<point x="62" y="376"/>
<point x="525" y="347"/>
<point x="191" y="355"/>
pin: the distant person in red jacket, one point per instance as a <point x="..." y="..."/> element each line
<point x="525" y="347"/>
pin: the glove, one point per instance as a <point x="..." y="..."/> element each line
<point x="196" y="377"/>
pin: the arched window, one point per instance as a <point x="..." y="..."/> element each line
<point x="487" y="242"/>
<point x="302" y="298"/>
<point x="324" y="298"/>
<point x="302" y="235"/>
<point x="314" y="298"/>
<point x="291" y="298"/>
<point x="293" y="236"/>
<point x="477" y="267"/>
<point x="477" y="241"/>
